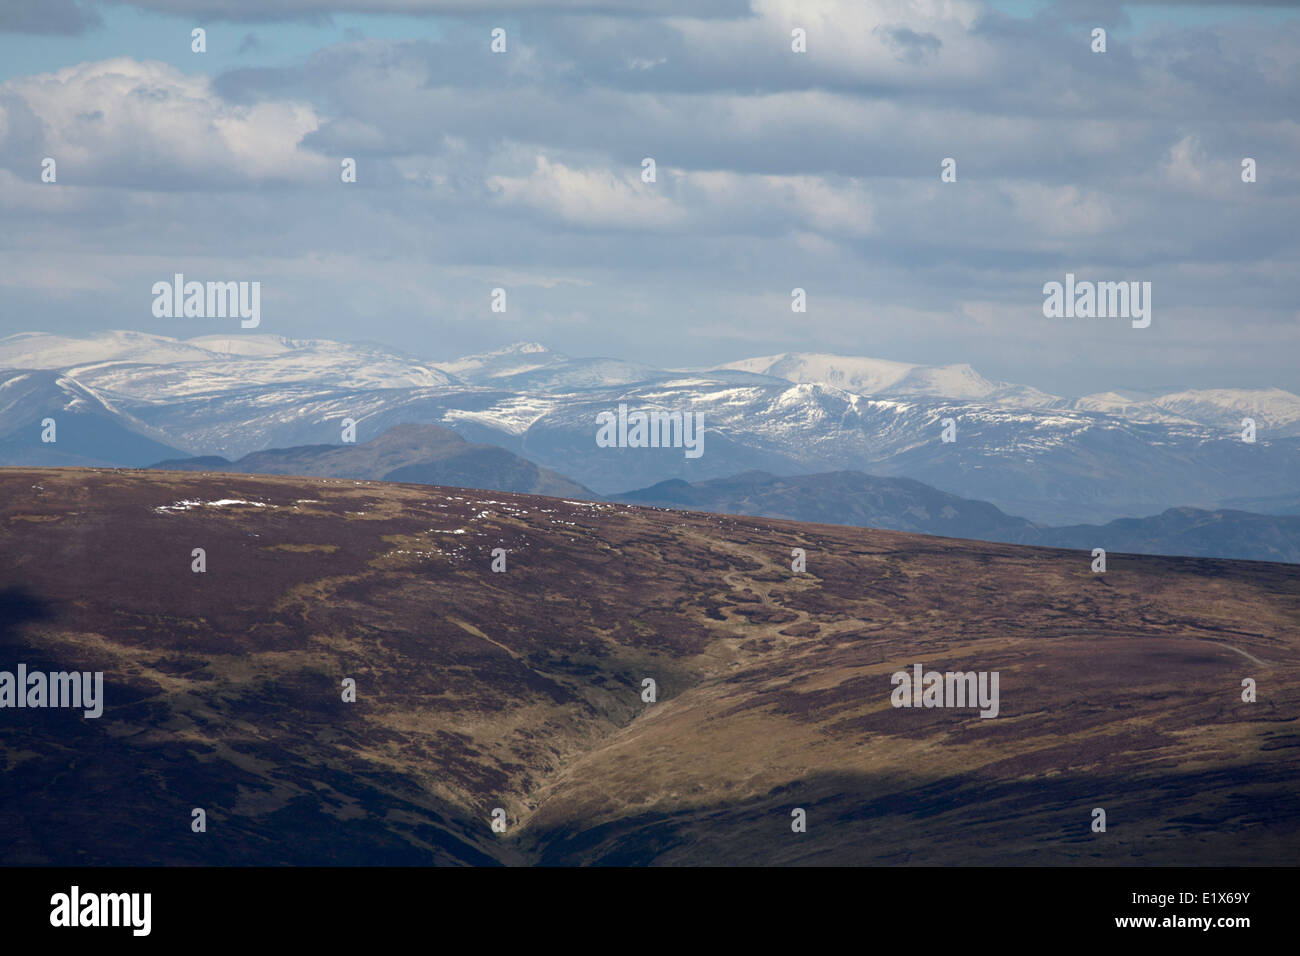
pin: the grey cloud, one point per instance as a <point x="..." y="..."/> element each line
<point x="48" y="17"/>
<point x="22" y="134"/>
<point x="1123" y="165"/>
<point x="910" y="45"/>
<point x="319" y="10"/>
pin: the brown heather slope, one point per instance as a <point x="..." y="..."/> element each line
<point x="522" y="690"/>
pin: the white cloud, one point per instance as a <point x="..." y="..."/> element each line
<point x="1062" y="211"/>
<point x="125" y="120"/>
<point x="763" y="204"/>
<point x="1184" y="164"/>
<point x="589" y="197"/>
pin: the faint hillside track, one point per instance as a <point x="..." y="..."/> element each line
<point x="522" y="690"/>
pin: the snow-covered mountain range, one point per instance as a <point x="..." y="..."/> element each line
<point x="1049" y="458"/>
<point x="868" y="376"/>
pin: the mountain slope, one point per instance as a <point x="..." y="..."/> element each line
<point x="423" y="454"/>
<point x="42" y="350"/>
<point x="1274" y="410"/>
<point x="522" y="690"/>
<point x="86" y="430"/>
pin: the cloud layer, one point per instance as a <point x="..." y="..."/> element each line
<point x="774" y="170"/>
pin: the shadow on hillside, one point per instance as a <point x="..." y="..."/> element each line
<point x="288" y="780"/>
<point x="18" y="608"/>
<point x="1245" y="815"/>
<point x="281" y="785"/>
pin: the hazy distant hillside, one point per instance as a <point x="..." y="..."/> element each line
<point x="1273" y="505"/>
<point x="427" y="454"/>
<point x="1190" y="531"/>
<point x="845" y="497"/>
<point x="899" y="504"/>
<point x="522" y="689"/>
<point x="430" y="454"/>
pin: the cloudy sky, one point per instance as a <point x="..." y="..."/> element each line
<point x="775" y="170"/>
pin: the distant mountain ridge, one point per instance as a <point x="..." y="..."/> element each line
<point x="1053" y="460"/>
<point x="868" y="376"/>
<point x="431" y="454"/>
<point x="135" y="363"/>
<point x="419" y="454"/>
<point x="843" y="498"/>
<point x="529" y="365"/>
<point x="900" y="504"/>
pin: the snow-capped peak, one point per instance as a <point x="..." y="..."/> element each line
<point x="251" y="344"/>
<point x="852" y="373"/>
<point x="511" y="360"/>
<point x="43" y="350"/>
<point x="1268" y="406"/>
<point x="870" y="376"/>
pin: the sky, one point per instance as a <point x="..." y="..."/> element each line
<point x="775" y="170"/>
